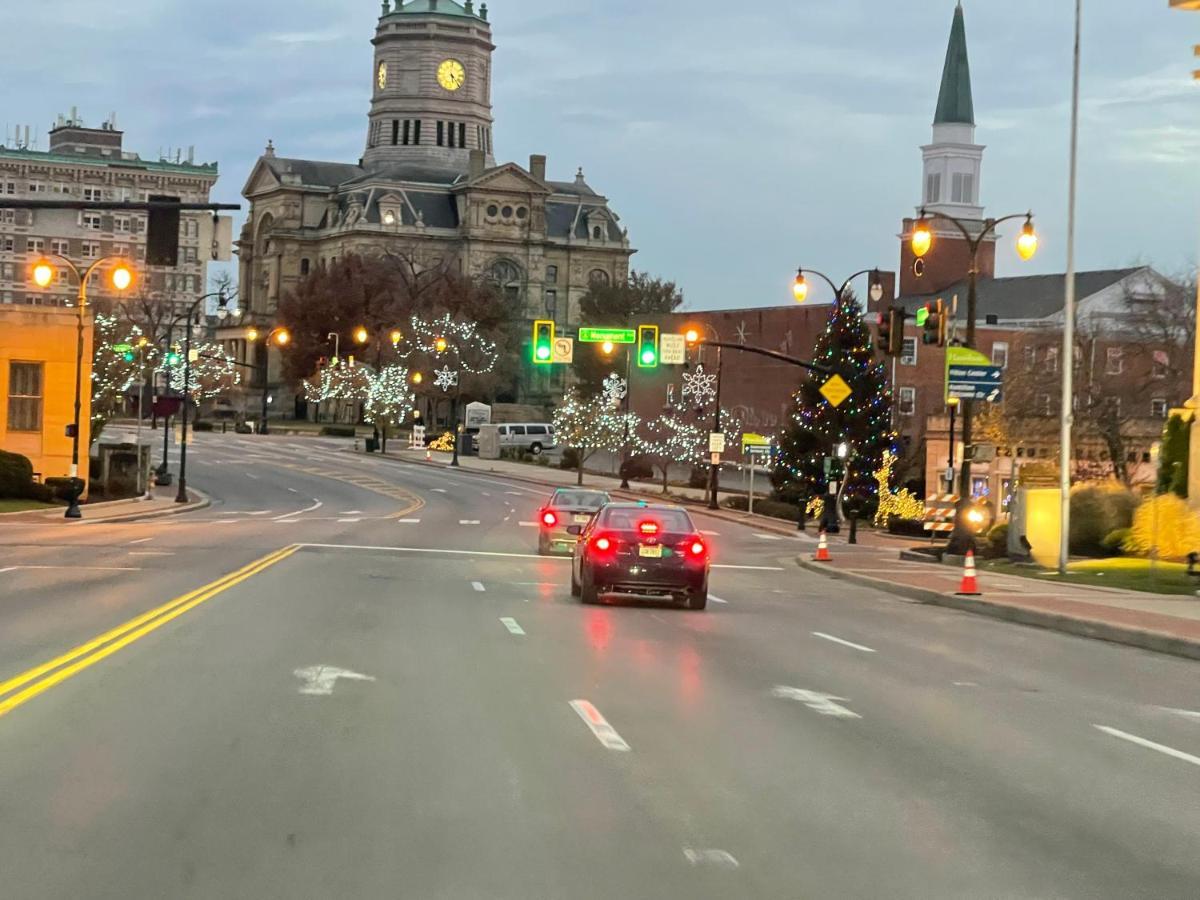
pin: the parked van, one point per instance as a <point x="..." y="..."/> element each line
<point x="532" y="436"/>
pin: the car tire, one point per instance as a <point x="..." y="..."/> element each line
<point x="535" y="449"/>
<point x="698" y="601"/>
<point x="587" y="591"/>
<point x="575" y="588"/>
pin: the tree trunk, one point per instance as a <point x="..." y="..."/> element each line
<point x="666" y="470"/>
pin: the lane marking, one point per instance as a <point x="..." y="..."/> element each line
<point x="468" y="521"/>
<point x="8" y="569"/>
<point x="816" y="701"/>
<point x="484" y="494"/>
<point x="512" y="626"/>
<point x="1186" y="713"/>
<point x="438" y="490"/>
<point x="319" y="681"/>
<point x="293" y="490"/>
<point x="349" y="521"/>
<point x="721" y="859"/>
<point x="353" y="512"/>
<point x="711" y="533"/>
<point x="605" y="733"/>
<point x="317" y="504"/>
<point x="86" y="655"/>
<point x="1149" y="745"/>
<point x="528" y="524"/>
<point x="151" y="553"/>
<point x="838" y="640"/>
<point x="478" y="585"/>
<point x="561" y="559"/>
<point x="716" y="599"/>
<point x="514" y="493"/>
<point x="408" y="521"/>
<point x="142" y="540"/>
<point x="252" y="477"/>
<point x="751" y="568"/>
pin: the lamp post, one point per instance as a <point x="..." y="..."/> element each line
<point x="608" y="348"/>
<point x="281" y="337"/>
<point x="222" y="312"/>
<point x="922" y="241"/>
<point x="122" y="278"/>
<point x="831" y="516"/>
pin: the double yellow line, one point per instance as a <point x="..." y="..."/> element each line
<point x="24" y="687"/>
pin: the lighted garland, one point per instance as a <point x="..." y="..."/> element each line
<point x="901" y="504"/>
<point x="211" y="372"/>
<point x="459" y="338"/>
<point x="388" y="400"/>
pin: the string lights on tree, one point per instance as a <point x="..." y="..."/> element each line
<point x="901" y="504"/>
<point x="588" y="425"/>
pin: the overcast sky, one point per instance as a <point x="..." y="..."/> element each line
<point x="735" y="140"/>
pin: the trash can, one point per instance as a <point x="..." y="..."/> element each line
<point x="372" y="445"/>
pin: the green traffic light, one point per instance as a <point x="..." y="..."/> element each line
<point x="647" y="357"/>
<point x="922" y="316"/>
<point x="127" y="356"/>
<point x="543" y="351"/>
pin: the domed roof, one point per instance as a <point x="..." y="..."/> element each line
<point x="438" y="8"/>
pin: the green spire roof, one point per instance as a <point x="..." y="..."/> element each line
<point x="954" y="104"/>
<point x="440" y="8"/>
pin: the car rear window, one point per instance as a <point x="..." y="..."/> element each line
<point x="580" y="499"/>
<point x="671" y="521"/>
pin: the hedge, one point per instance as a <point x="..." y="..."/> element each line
<point x="16" y="479"/>
<point x="343" y="431"/>
<point x="776" y="509"/>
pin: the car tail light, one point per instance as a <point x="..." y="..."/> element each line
<point x="549" y="519"/>
<point x="604" y="543"/>
<point x="648" y="528"/>
<point x="696" y="548"/>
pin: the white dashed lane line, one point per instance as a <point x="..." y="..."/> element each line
<point x="605" y="733"/>
<point x="468" y="521"/>
<point x="512" y="626"/>
<point x="1149" y="745"/>
<point x="838" y="640"/>
<point x="478" y="586"/>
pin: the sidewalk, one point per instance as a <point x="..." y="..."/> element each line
<point x="553" y="477"/>
<point x="160" y="505"/>
<point x="1167" y="623"/>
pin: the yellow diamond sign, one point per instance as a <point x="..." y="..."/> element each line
<point x="835" y="390"/>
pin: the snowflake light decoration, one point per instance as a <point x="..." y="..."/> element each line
<point x="446" y="379"/>
<point x="615" y="389"/>
<point x="701" y="386"/>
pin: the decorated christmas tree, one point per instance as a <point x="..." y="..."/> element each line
<point x="862" y="420"/>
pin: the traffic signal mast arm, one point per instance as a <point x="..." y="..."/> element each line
<point x="118" y="205"/>
<point x="812" y="367"/>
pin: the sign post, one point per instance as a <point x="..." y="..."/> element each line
<point x="971" y="376"/>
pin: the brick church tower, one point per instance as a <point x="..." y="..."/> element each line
<point x="952" y="164"/>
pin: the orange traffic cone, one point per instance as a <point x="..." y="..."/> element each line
<point x="822" y="549"/>
<point x="969" y="586"/>
<point x="428" y="455"/>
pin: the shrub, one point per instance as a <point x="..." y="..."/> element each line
<point x="909" y="527"/>
<point x="1097" y="510"/>
<point x="16" y="477"/>
<point x="776" y="509"/>
<point x="637" y="468"/>
<point x="699" y="477"/>
<point x="997" y="539"/>
<point x="570" y="459"/>
<point x="1114" y="541"/>
<point x="1164" y="522"/>
<point x="343" y="431"/>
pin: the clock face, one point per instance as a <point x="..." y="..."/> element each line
<point x="451" y="75"/>
<point x="381" y="79"/>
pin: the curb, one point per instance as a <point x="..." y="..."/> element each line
<point x="202" y="501"/>
<point x="1155" y="641"/>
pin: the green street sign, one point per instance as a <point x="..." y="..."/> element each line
<point x="122" y="348"/>
<point x="608" y="335"/>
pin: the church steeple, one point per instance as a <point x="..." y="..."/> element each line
<point x="954" y="99"/>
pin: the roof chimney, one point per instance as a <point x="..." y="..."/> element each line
<point x="476" y="165"/>
<point x="537" y="167"/>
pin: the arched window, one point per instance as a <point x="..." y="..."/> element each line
<point x="598" y="277"/>
<point x="596" y="233"/>
<point x="507" y="276"/>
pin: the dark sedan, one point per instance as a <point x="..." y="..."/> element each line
<point x="649" y="551"/>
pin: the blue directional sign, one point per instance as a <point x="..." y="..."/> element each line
<point x="975" y="382"/>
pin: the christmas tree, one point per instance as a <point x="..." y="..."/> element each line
<point x="862" y="421"/>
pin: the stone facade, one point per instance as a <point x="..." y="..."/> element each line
<point x="90" y="164"/>
<point x="427" y="186"/>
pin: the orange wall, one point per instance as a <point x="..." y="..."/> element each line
<point x="47" y="334"/>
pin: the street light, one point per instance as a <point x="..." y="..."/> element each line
<point x="607" y="348"/>
<point x="440" y="345"/>
<point x="281" y="337"/>
<point x="874" y="289"/>
<point x="417" y="378"/>
<point x="360" y="335"/>
<point x="397" y="336"/>
<point x="122" y="277"/>
<point x="800" y="287"/>
<point x="921" y="242"/>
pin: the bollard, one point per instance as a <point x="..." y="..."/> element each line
<point x="853" y="539"/>
<point x="803" y="515"/>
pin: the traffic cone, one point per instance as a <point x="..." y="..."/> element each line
<point x="428" y="455"/>
<point x="822" y="549"/>
<point x="969" y="586"/>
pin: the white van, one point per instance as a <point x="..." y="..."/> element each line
<point x="532" y="436"/>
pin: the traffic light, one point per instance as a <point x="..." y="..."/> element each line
<point x="162" y="233"/>
<point x="891" y="330"/>
<point x="933" y="322"/>
<point x="543" y="342"/>
<point x="172" y="358"/>
<point x="647" y="347"/>
<point x="127" y="356"/>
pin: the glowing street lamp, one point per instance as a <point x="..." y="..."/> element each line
<point x="397" y="336"/>
<point x="607" y="348"/>
<point x="800" y="287"/>
<point x="43" y="273"/>
<point x="440" y="345"/>
<point x="361" y="335"/>
<point x="922" y="237"/>
<point x="1027" y="242"/>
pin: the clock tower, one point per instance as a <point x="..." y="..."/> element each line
<point x="431" y="81"/>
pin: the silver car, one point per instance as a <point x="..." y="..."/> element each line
<point x="566" y="507"/>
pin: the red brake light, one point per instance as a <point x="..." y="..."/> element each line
<point x="648" y="528"/>
<point x="549" y="519"/>
<point x="697" y="548"/>
<point x="602" y="544"/>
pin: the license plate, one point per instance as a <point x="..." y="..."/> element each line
<point x="582" y="520"/>
<point x="653" y="552"/>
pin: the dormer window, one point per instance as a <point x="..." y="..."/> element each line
<point x="597" y="233"/>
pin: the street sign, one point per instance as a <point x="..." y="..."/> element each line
<point x="753" y="441"/>
<point x="672" y="349"/>
<point x="122" y="348"/>
<point x="478" y="414"/>
<point x="716" y="442"/>
<point x="609" y="335"/>
<point x="983" y="453"/>
<point x="564" y="350"/>
<point x="975" y="383"/>
<point x="835" y="390"/>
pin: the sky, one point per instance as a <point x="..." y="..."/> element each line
<point x="736" y="140"/>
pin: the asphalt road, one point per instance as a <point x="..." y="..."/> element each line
<point x="385" y="693"/>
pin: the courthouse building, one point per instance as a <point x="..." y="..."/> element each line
<point x="428" y="186"/>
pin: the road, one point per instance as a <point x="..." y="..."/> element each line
<point x="383" y="692"/>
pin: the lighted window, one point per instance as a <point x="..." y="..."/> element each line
<point x="24" y="396"/>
